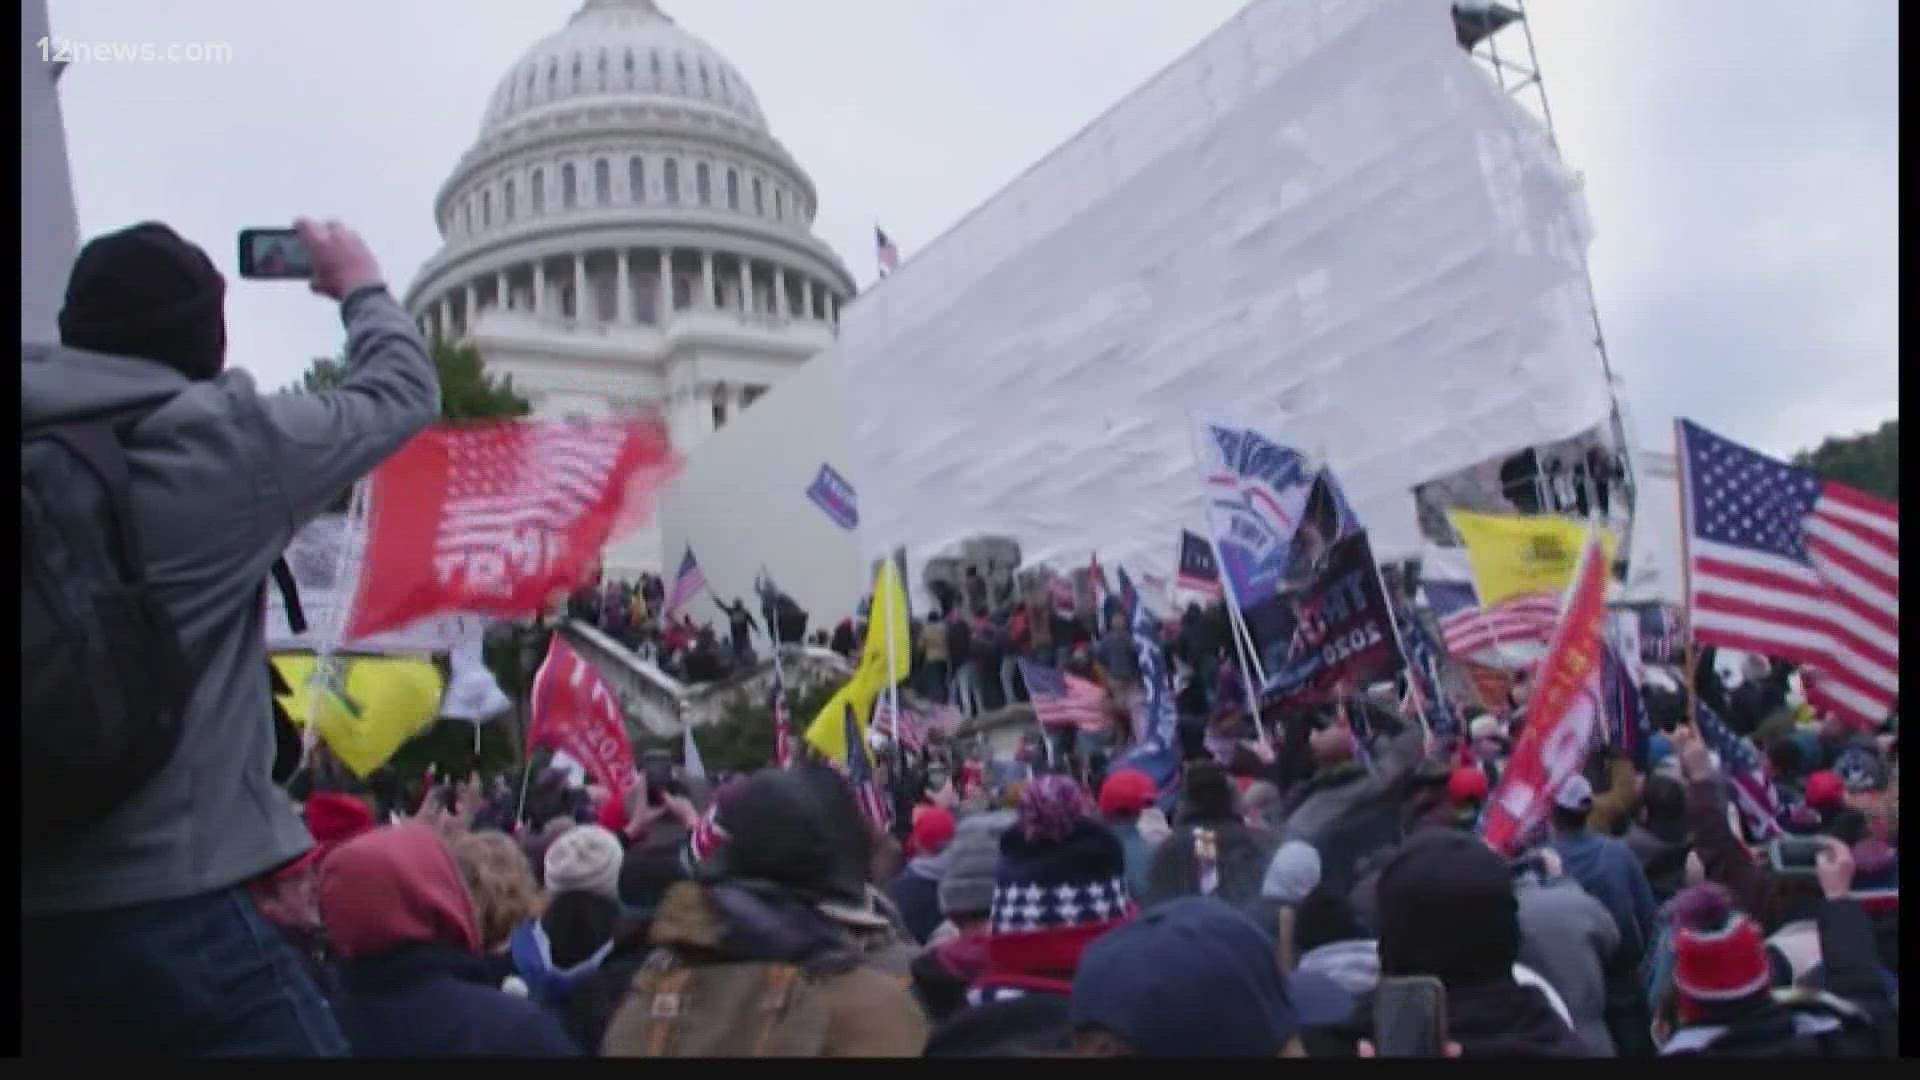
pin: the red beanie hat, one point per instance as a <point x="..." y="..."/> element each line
<point x="1719" y="954"/>
<point x="932" y="830"/>
<point x="1826" y="791"/>
<point x="1467" y="784"/>
<point x="334" y="819"/>
<point x="1127" y="791"/>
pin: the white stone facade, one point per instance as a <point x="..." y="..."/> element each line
<point x="626" y="233"/>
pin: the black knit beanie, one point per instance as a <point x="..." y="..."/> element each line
<point x="146" y="292"/>
<point x="1447" y="909"/>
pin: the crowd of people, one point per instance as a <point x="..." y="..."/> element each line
<point x="1306" y="865"/>
<point x="634" y="614"/>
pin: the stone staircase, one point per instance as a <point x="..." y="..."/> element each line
<point x="661" y="705"/>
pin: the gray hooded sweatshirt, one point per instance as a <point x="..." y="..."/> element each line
<point x="222" y="478"/>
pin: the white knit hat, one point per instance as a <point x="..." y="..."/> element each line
<point x="585" y="858"/>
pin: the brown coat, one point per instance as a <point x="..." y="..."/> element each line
<point x="867" y="1012"/>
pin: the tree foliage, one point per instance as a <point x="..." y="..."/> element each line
<point x="467" y="392"/>
<point x="1869" y="461"/>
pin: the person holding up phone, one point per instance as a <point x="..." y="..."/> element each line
<point x="139" y="936"/>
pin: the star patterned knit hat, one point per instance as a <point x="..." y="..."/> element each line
<point x="1060" y="869"/>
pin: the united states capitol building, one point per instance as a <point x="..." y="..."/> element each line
<point x="626" y="232"/>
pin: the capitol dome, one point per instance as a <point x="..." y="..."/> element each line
<point x="626" y="232"/>
<point x="621" y="48"/>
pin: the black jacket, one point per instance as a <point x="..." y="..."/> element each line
<point x="1505" y="1019"/>
<point x="426" y="1000"/>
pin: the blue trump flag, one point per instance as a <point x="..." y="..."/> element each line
<point x="1157" y="752"/>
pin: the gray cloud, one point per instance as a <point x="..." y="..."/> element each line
<point x="1740" y="156"/>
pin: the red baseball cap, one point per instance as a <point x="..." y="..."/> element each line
<point x="932" y="829"/>
<point x="1467" y="784"/>
<point x="1127" y="791"/>
<point x="1826" y="791"/>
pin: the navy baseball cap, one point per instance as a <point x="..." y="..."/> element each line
<point x="1195" y="978"/>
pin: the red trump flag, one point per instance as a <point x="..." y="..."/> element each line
<point x="576" y="711"/>
<point x="1562" y="713"/>
<point x="493" y="519"/>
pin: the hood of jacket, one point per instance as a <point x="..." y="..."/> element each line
<point x="1501" y="1018"/>
<point x="393" y="887"/>
<point x="749" y="920"/>
<point x="59" y="384"/>
<point x="546" y="982"/>
<point x="1355" y="965"/>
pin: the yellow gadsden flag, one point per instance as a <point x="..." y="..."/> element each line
<point x="371" y="710"/>
<point x="886" y="617"/>
<point x="1513" y="554"/>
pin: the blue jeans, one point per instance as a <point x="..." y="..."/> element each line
<point x="205" y="976"/>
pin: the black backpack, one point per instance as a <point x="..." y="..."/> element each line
<point x="104" y="679"/>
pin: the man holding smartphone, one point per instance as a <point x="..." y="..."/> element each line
<point x="138" y="932"/>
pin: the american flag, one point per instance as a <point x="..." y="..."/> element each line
<point x="707" y="836"/>
<point x="859" y="770"/>
<point x="884" y="250"/>
<point x="1785" y="565"/>
<point x="1662" y="640"/>
<point x="1062" y="700"/>
<point x="1629" y="728"/>
<point x="1746" y="771"/>
<point x="1423" y="676"/>
<point x="686" y="584"/>
<point x="1466" y="628"/>
<point x="912" y="728"/>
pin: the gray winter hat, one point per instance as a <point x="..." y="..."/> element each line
<point x="972" y="861"/>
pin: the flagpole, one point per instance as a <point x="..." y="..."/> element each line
<point x="767" y="612"/>
<point x="1686" y="567"/>
<point x="1249" y="658"/>
<point x="893" y="687"/>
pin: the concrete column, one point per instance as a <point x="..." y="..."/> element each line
<point x="446" y="317"/>
<point x="666" y="286"/>
<point x="780" y="292"/>
<point x="806" y="297"/>
<point x="746" y="293"/>
<point x="580" y="297"/>
<point x="623" y="285"/>
<point x="540" y="286"/>
<point x="706" y="280"/>
<point x="502" y="296"/>
<point x="473" y="309"/>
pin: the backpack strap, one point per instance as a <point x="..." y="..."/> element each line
<point x="665" y="1010"/>
<point x="780" y="980"/>
<point x="97" y="445"/>
<point x="289" y="595"/>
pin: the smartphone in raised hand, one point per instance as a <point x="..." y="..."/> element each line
<point x="274" y="255"/>
<point x="1410" y="1017"/>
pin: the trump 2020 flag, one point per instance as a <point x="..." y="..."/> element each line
<point x="1158" y="752"/>
<point x="493" y="519"/>
<point x="575" y="711"/>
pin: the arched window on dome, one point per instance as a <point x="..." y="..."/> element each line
<point x="602" y="182"/>
<point x="576" y="73"/>
<point x="486" y="209"/>
<point x="759" y="198"/>
<point x="506" y="200"/>
<point x="533" y="71"/>
<point x="706" y="81"/>
<point x="779" y="204"/>
<point x="603" y="69"/>
<point x="629" y="69"/>
<point x="733" y="189"/>
<point x="537" y="190"/>
<point x="636" y="181"/>
<point x="466" y="213"/>
<point x="553" y="79"/>
<point x="655" y="54"/>
<point x="726" y="87"/>
<point x="680" y="69"/>
<point x="569" y="187"/>
<point x="670" y="177"/>
<point x="703" y="183"/>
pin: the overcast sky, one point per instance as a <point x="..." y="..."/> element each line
<point x="1740" y="155"/>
